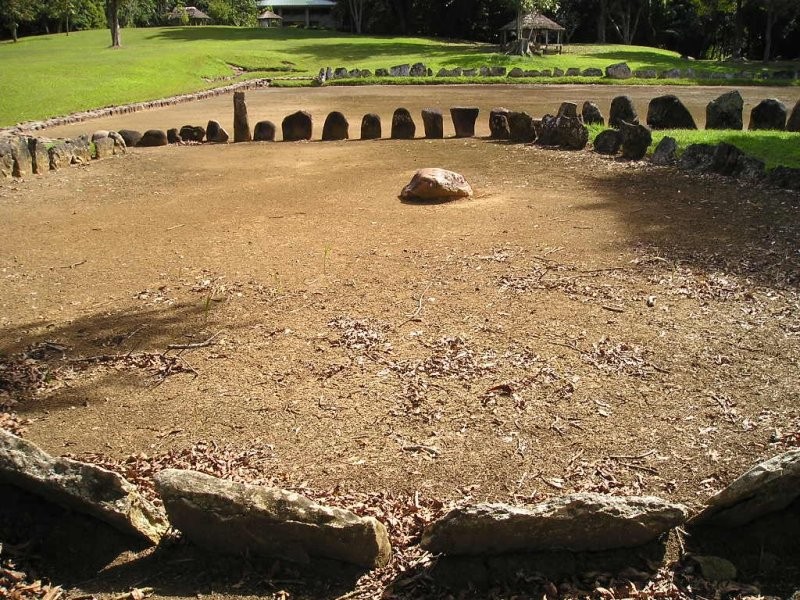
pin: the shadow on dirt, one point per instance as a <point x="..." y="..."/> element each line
<point x="707" y="223"/>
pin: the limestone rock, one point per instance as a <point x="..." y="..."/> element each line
<point x="371" y="127"/>
<point x="40" y="158"/>
<point x="418" y="70"/>
<point x="557" y="72"/>
<point x="400" y="71"/>
<point x="436" y="184"/>
<point x="768" y="114"/>
<point x="403" y="127"/>
<point x="591" y="114"/>
<point x="192" y="133"/>
<point x="666" y="151"/>
<point x="153" y="137"/>
<point x="646" y="74"/>
<point x="516" y="72"/>
<point x="241" y="124"/>
<point x="264" y="131"/>
<point x="21" y="155"/>
<point x="59" y="155"/>
<point x="237" y="518"/>
<point x="120" y="147"/>
<point x="697" y="157"/>
<point x="573" y="72"/>
<point x="725" y="112"/>
<point x="497" y="71"/>
<point x="78" y="486"/>
<point x="579" y="522"/>
<point x="381" y="72"/>
<point x="215" y="133"/>
<point x="608" y="142"/>
<point x="671" y="74"/>
<point x="498" y="124"/>
<point x="464" y="120"/>
<point x="592" y="72"/>
<point x="668" y="112"/>
<point x="130" y="136"/>
<point x="433" y="122"/>
<point x="636" y="139"/>
<point x="297" y="126"/>
<point x="521" y="127"/>
<point x="768" y="487"/>
<point x="173" y="137"/>
<point x="335" y="127"/>
<point x="81" y="151"/>
<point x="793" y="124"/>
<point x="6" y="159"/>
<point x="99" y="135"/>
<point x="103" y="148"/>
<point x="622" y="109"/>
<point x="619" y="71"/>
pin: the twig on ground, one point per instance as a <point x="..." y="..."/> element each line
<point x="414" y="316"/>
<point x="194" y="345"/>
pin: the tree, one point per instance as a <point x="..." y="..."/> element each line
<point x="624" y="17"/>
<point x="776" y="10"/>
<point x="14" y="12"/>
<point x="356" y="8"/>
<point x="112" y="17"/>
<point x="525" y="7"/>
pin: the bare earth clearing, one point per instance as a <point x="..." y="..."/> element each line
<point x="581" y="324"/>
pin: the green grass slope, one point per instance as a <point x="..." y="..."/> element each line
<point x="57" y="74"/>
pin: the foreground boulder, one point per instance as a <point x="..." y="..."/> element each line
<point x="636" y="139"/>
<point x="297" y="126"/>
<point x="498" y="124"/>
<point x="335" y="127"/>
<point x="103" y="148"/>
<point x="725" y="112"/>
<point x="464" y="118"/>
<point x="433" y="122"/>
<point x="130" y="136"/>
<point x="666" y="152"/>
<point x="622" y="109"/>
<point x="668" y="112"/>
<point x="236" y="518"/>
<point x="768" y="487"/>
<point x="591" y="114"/>
<point x="436" y="184"/>
<point x="371" y="127"/>
<point x="173" y="137"/>
<point x="521" y="126"/>
<point x="768" y="114"/>
<point x="579" y="523"/>
<point x="152" y="137"/>
<point x="793" y="124"/>
<point x="81" y="487"/>
<point x="264" y="131"/>
<point x="6" y="159"/>
<point x="731" y="161"/>
<point x="40" y="156"/>
<point x="697" y="157"/>
<point x="192" y="133"/>
<point x="785" y="177"/>
<point x="403" y="127"/>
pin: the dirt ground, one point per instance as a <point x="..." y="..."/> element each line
<point x="580" y="324"/>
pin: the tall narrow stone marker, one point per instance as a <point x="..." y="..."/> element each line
<point x="241" y="127"/>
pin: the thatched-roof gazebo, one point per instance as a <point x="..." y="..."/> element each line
<point x="195" y="15"/>
<point x="269" y="19"/>
<point x="536" y="29"/>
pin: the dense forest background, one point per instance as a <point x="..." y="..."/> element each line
<point x="715" y="29"/>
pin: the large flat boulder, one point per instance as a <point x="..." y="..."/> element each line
<point x="436" y="184"/>
<point x="236" y="518"/>
<point x="579" y="523"/>
<point x="768" y="487"/>
<point x="81" y="487"/>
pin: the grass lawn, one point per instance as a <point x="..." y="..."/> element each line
<point x="53" y="75"/>
<point x="775" y="148"/>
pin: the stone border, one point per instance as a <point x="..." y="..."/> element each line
<point x="108" y="111"/>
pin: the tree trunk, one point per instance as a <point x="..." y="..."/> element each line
<point x="357" y="13"/>
<point x="768" y="31"/>
<point x="602" y="15"/>
<point x="14" y="32"/>
<point x="113" y="22"/>
<point x="738" y="36"/>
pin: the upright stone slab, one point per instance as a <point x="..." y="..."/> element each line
<point x="768" y="487"/>
<point x="336" y="127"/>
<point x="241" y="125"/>
<point x="215" y="133"/>
<point x="608" y="142"/>
<point x="464" y="118"/>
<point x="579" y="523"/>
<point x="297" y="126"/>
<point x="6" y="159"/>
<point x="236" y="518"/>
<point x="23" y="162"/>
<point x="131" y="137"/>
<point x="103" y="148"/>
<point x="81" y="151"/>
<point x="793" y="124"/>
<point x="768" y="114"/>
<point x="371" y="127"/>
<point x="622" y="109"/>
<point x="173" y="137"/>
<point x="498" y="124"/>
<point x="668" y="112"/>
<point x="39" y="155"/>
<point x="568" y="109"/>
<point x="153" y="137"/>
<point x="666" y="151"/>
<point x="264" y="132"/>
<point x="59" y="155"/>
<point x="591" y="114"/>
<point x="78" y="486"/>
<point x="636" y="139"/>
<point x="521" y="127"/>
<point x="725" y="112"/>
<point x="192" y="133"/>
<point x="697" y="157"/>
<point x="433" y="122"/>
<point x="403" y="127"/>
